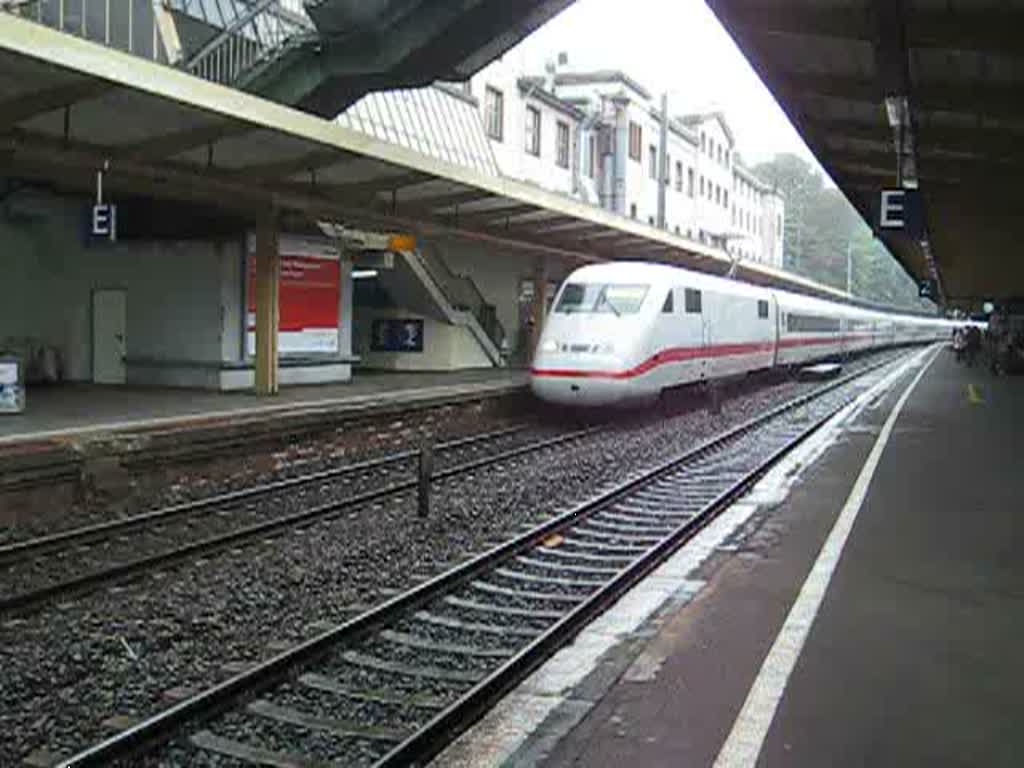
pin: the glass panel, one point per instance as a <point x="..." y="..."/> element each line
<point x="579" y="298"/>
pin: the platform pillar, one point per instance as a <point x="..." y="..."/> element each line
<point x="538" y="311"/>
<point x="268" y="277"/>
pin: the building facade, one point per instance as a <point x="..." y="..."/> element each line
<point x="597" y="136"/>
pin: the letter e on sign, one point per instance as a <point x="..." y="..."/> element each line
<point x="891" y="213"/>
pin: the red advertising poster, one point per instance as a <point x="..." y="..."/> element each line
<point x="309" y="295"/>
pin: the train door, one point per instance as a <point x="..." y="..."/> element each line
<point x="695" y="330"/>
<point x="777" y="328"/>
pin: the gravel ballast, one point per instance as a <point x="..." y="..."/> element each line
<point x="124" y="650"/>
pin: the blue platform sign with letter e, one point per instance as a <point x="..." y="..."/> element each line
<point x="900" y="210"/>
<point x="927" y="289"/>
<point x="397" y="335"/>
<point x="103" y="222"/>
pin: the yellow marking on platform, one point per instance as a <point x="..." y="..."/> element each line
<point x="974" y="395"/>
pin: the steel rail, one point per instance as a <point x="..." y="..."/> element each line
<point x="21" y="550"/>
<point x="75" y="585"/>
<point x="441" y="729"/>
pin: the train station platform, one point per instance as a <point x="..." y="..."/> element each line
<point x="870" y="615"/>
<point x="67" y="430"/>
<point x="64" y="412"/>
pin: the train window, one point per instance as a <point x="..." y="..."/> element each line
<point x="669" y="306"/>
<point x="762" y="308"/>
<point x="612" y="299"/>
<point x="691" y="298"/>
<point x="811" y="324"/>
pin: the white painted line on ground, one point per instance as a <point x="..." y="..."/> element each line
<point x="507" y="727"/>
<point x="744" y="743"/>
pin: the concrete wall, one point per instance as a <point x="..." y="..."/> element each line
<point x="184" y="299"/>
<point x="175" y="308"/>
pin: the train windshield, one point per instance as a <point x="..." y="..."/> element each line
<point x="603" y="298"/>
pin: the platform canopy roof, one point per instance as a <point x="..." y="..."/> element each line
<point x="934" y="88"/>
<point x="69" y="108"/>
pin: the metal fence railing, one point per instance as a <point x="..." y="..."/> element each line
<point x="129" y="25"/>
<point x="242" y="34"/>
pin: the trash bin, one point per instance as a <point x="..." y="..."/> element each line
<point x="12" y="384"/>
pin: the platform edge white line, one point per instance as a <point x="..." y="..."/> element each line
<point x="750" y="729"/>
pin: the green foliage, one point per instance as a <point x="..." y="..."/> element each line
<point x="822" y="227"/>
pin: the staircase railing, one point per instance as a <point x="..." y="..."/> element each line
<point x="248" y="33"/>
<point x="260" y="32"/>
<point x="130" y="26"/>
<point x="464" y="295"/>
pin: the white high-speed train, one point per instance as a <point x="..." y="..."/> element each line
<point x="628" y="330"/>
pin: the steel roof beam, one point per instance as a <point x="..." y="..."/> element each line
<point x="26" y="106"/>
<point x="967" y="98"/>
<point x="171" y="144"/>
<point x="992" y="29"/>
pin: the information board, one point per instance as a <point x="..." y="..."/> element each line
<point x="392" y="334"/>
<point x="309" y="297"/>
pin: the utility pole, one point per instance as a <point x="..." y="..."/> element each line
<point x="663" y="169"/>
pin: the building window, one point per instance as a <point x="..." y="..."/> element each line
<point x="636" y="141"/>
<point x="632" y="210"/>
<point x="728" y="154"/>
<point x="533" y="131"/>
<point x="718" y="195"/>
<point x="650" y="220"/>
<point x="721" y="157"/>
<point x="725" y="197"/>
<point x="592" y="156"/>
<point x="762" y="308"/>
<point x="668" y="307"/>
<point x="703" y="142"/>
<point x="689" y="181"/>
<point x="711" y="147"/>
<point x="562" y="155"/>
<point x="702" y="186"/>
<point x="679" y="176"/>
<point x="494" y="113"/>
<point x="778" y="225"/>
<point x="691" y="298"/>
<point x="652" y="154"/>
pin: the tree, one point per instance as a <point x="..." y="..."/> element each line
<point x="823" y="229"/>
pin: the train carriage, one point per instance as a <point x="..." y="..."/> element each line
<point x="626" y="331"/>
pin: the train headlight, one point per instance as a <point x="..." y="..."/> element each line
<point x="549" y="346"/>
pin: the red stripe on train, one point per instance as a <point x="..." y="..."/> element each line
<point x="679" y="354"/>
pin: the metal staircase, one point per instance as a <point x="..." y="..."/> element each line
<point x="461" y="300"/>
<point x="226" y="41"/>
<point x="242" y="37"/>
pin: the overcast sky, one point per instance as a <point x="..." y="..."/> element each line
<point x="676" y="46"/>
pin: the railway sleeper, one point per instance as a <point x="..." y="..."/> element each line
<point x="458" y="625"/>
<point x="583" y="584"/>
<point x="426" y="644"/>
<point x="345" y="728"/>
<point x="522" y="594"/>
<point x="407" y="670"/>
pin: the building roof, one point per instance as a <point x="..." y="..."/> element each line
<point x="748" y="175"/>
<point x="697" y="118"/>
<point x="533" y="87"/>
<point x="601" y="76"/>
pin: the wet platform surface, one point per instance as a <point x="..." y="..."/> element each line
<point x="80" y="409"/>
<point x="912" y="657"/>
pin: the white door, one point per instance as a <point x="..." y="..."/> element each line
<point x="109" y="321"/>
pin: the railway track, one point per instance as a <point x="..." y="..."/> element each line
<point x="393" y="686"/>
<point x="71" y="562"/>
